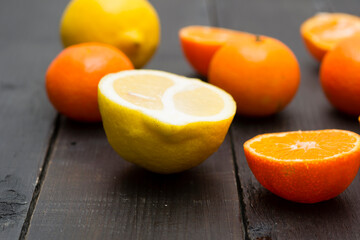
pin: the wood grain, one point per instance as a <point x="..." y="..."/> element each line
<point x="27" y="44"/>
<point x="91" y="193"/>
<point x="268" y="216"/>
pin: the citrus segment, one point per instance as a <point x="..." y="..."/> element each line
<point x="305" y="166"/>
<point x="200" y="101"/>
<point x="323" y="31"/>
<point x="305" y="145"/>
<point x="199" y="44"/>
<point x="161" y="121"/>
<point x="143" y="90"/>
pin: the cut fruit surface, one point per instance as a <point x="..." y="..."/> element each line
<point x="161" y="121"/>
<point x="199" y="44"/>
<point x="324" y="31"/>
<point x="305" y="166"/>
<point x="199" y="102"/>
<point x="305" y="145"/>
<point x="143" y="90"/>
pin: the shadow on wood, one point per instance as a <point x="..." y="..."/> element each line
<point x="186" y="186"/>
<point x="291" y="214"/>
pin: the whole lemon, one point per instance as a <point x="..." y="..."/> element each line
<point x="130" y="25"/>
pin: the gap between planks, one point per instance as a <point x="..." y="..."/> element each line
<point x="214" y="21"/>
<point x="245" y="222"/>
<point x="212" y="12"/>
<point x="42" y="174"/>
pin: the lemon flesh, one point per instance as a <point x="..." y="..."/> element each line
<point x="163" y="122"/>
<point x="130" y="25"/>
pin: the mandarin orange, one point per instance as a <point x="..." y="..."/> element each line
<point x="261" y="73"/>
<point x="73" y="76"/>
<point x="306" y="167"/>
<point x="340" y="76"/>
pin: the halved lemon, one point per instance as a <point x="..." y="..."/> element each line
<point x="324" y="30"/>
<point x="163" y="122"/>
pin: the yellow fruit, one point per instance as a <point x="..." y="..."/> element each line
<point x="130" y="25"/>
<point x="161" y="121"/>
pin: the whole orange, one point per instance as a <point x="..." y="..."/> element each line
<point x="340" y="76"/>
<point x="261" y="73"/>
<point x="73" y="76"/>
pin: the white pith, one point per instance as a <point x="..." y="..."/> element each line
<point x="335" y="156"/>
<point x="168" y="114"/>
<point x="304" y="145"/>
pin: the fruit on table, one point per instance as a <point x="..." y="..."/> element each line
<point x="73" y="76"/>
<point x="306" y="167"/>
<point x="323" y="31"/>
<point x="261" y="73"/>
<point x="199" y="44"/>
<point x="161" y="121"/>
<point x="131" y="25"/>
<point x="340" y="76"/>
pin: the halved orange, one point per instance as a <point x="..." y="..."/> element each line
<point x="324" y="30"/>
<point x="199" y="44"/>
<point x="305" y="166"/>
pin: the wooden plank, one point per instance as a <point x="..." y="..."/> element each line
<point x="268" y="216"/>
<point x="27" y="43"/>
<point x="348" y="6"/>
<point x="91" y="193"/>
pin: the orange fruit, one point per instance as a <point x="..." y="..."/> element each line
<point x="199" y="44"/>
<point x="306" y="167"/>
<point x="323" y="31"/>
<point x="261" y="73"/>
<point x="73" y="76"/>
<point x="340" y="76"/>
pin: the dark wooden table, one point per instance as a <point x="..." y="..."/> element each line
<point x="60" y="179"/>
